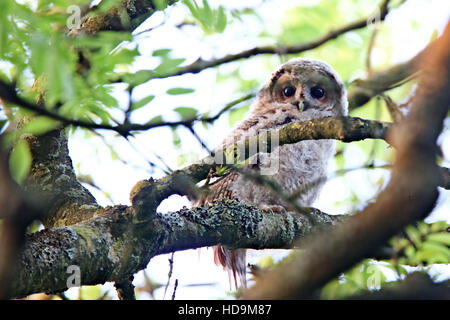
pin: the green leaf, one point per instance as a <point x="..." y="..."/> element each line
<point x="410" y="251"/>
<point x="176" y="91"/>
<point x="169" y="65"/>
<point x="154" y="120"/>
<point x="266" y="262"/>
<point x="221" y="20"/>
<point x="139" y="104"/>
<point x="4" y="28"/>
<point x="90" y="292"/>
<point x="160" y="4"/>
<point x="439" y="226"/>
<point x="186" y="113"/>
<point x="103" y="94"/>
<point x="423" y="227"/>
<point x="210" y="20"/>
<point x="139" y="77"/>
<point x="105" y="6"/>
<point x="193" y="8"/>
<point x="39" y="51"/>
<point x="442" y="237"/>
<point x="207" y="15"/>
<point x="94" y="110"/>
<point x="40" y="125"/>
<point x="20" y="161"/>
<point x="33" y="227"/>
<point x="176" y="140"/>
<point x="161" y="52"/>
<point x="124" y="56"/>
<point x="413" y="233"/>
<point x="431" y="252"/>
<point x="434" y="35"/>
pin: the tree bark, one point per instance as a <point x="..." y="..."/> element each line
<point x="114" y="245"/>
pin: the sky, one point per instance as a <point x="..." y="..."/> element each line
<point x="195" y="269"/>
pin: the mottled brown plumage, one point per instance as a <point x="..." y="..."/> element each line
<point x="301" y="89"/>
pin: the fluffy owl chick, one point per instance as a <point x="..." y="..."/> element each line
<point x="300" y="90"/>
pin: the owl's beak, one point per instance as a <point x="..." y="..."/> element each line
<point x="299" y="100"/>
<point x="299" y="105"/>
<point x="302" y="105"/>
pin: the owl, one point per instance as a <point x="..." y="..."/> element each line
<point x="301" y="89"/>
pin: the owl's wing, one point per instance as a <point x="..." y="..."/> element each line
<point x="234" y="261"/>
<point x="220" y="190"/>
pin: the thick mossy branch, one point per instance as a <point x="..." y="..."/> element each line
<point x="114" y="245"/>
<point x="126" y="16"/>
<point x="53" y="183"/>
<point x="346" y="129"/>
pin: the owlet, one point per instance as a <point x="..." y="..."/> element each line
<point x="300" y="90"/>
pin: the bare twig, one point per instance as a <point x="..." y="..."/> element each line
<point x="175" y="289"/>
<point x="362" y="90"/>
<point x="8" y="93"/>
<point x="201" y="64"/>
<point x="169" y="275"/>
<point x="369" y="51"/>
<point x="393" y="109"/>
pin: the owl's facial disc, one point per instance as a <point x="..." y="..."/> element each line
<point x="304" y="91"/>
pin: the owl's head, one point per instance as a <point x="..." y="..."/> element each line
<point x="305" y="89"/>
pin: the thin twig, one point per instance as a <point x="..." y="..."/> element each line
<point x="175" y="289"/>
<point x="201" y="64"/>
<point x="393" y="108"/>
<point x="8" y="93"/>
<point x="169" y="274"/>
<point x="369" y="50"/>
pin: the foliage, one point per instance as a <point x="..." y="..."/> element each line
<point x="211" y="20"/>
<point x="421" y="246"/>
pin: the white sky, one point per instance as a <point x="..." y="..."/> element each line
<point x="118" y="178"/>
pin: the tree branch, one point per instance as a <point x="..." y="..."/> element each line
<point x="416" y="286"/>
<point x="52" y="180"/>
<point x="126" y="16"/>
<point x="122" y="245"/>
<point x="201" y="64"/>
<point x="362" y="91"/>
<point x="8" y="93"/>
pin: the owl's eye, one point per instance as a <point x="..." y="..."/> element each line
<point x="317" y="92"/>
<point x="289" y="91"/>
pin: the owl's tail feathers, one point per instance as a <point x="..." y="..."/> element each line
<point x="234" y="261"/>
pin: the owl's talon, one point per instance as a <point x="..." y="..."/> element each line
<point x="272" y="208"/>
